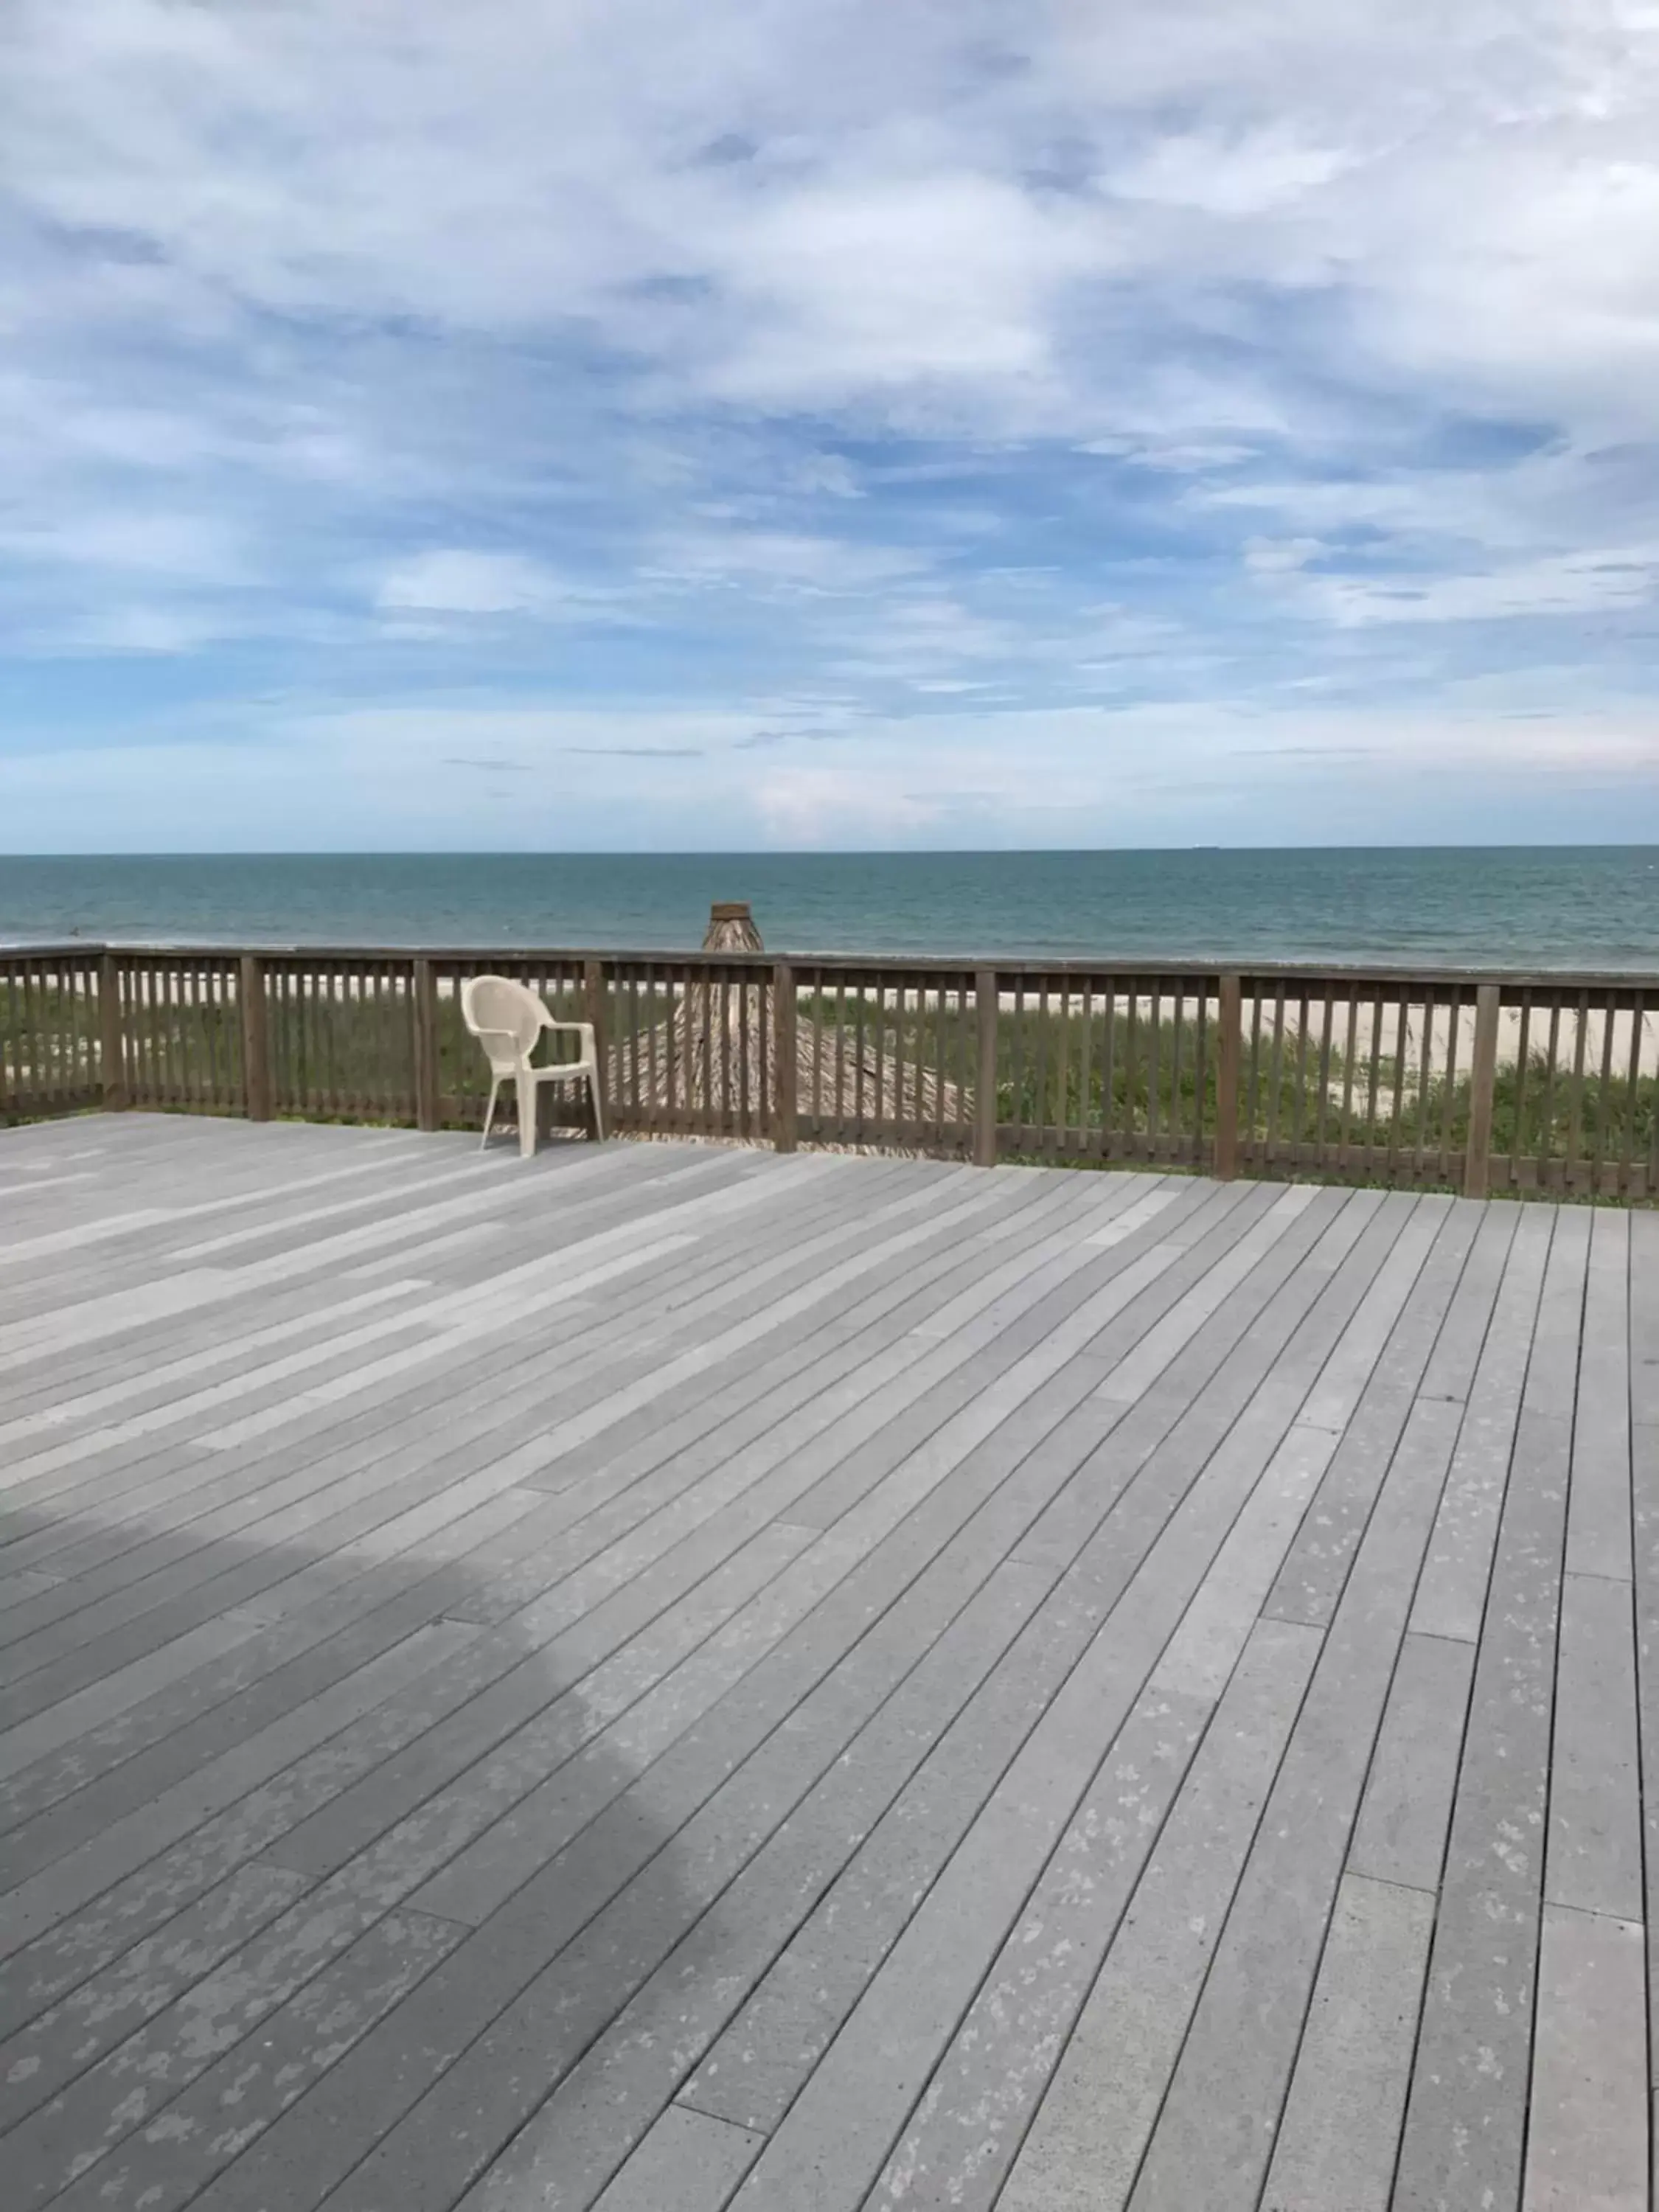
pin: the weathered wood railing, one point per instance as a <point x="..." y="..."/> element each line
<point x="1481" y="1083"/>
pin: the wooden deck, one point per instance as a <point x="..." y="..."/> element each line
<point x="667" y="1677"/>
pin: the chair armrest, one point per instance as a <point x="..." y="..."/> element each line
<point x="583" y="1030"/>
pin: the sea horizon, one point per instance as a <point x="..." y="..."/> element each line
<point x="1584" y="908"/>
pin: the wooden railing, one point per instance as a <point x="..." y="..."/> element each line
<point x="58" y="1030"/>
<point x="1465" y="1081"/>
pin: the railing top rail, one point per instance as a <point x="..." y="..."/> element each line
<point x="1338" y="974"/>
<point x="1334" y="975"/>
<point x="79" y="948"/>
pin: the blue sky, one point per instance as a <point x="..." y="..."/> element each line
<point x="554" y="424"/>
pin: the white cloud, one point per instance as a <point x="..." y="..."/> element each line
<point x="455" y="581"/>
<point x="830" y="807"/>
<point x="146" y="542"/>
<point x="460" y="777"/>
<point x="1592" y="583"/>
<point x="780" y="559"/>
<point x="1279" y="556"/>
<point x="862" y="285"/>
<point x="511" y="168"/>
<point x="851" y="353"/>
<point x="1249" y="176"/>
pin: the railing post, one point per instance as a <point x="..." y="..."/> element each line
<point x="784" y="1103"/>
<point x="593" y="1011"/>
<point x="111" y="1038"/>
<point x="256" y="1043"/>
<point x="423" y="1020"/>
<point x="985" y="1090"/>
<point x="1229" y="1044"/>
<point x="1483" y="1081"/>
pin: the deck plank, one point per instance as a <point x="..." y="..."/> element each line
<point x="1464" y="2134"/>
<point x="414" y="2159"/>
<point x="1337" y="2141"/>
<point x="1451" y="1595"/>
<point x="570" y="1555"/>
<point x="1588" y="2141"/>
<point x="861" y="2094"/>
<point x="1644" y="1482"/>
<point x="674" y="1675"/>
<point x="1599" y="1506"/>
<point x="1400" y="1835"/>
<point x="1595" y="1851"/>
<point x="1084" y="2146"/>
<point x="1215" y="2134"/>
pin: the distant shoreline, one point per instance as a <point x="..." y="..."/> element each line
<point x="1542" y="911"/>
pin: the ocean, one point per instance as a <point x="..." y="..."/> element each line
<point x="1582" y="908"/>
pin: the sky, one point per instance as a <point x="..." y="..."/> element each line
<point x="601" y="424"/>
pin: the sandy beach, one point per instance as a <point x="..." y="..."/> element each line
<point x="1635" y="1049"/>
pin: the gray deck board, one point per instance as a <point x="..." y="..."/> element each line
<point x="665" y="1675"/>
<point x="1215" y="2133"/>
<point x="1337" y="2141"/>
<point x="1594" y="1856"/>
<point x="1465" y="2117"/>
<point x="1644" y="1478"/>
<point x="1401" y="1836"/>
<point x="1084" y="2146"/>
<point x="1588" y="2141"/>
<point x="330" y="1473"/>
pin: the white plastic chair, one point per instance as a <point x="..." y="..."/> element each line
<point x="507" y="1019"/>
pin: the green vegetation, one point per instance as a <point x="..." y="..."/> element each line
<point x="49" y="1045"/>
<point x="1534" y="1118"/>
<point x="1066" y="1087"/>
<point x="1130" y="1076"/>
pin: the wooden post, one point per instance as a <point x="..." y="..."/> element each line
<point x="593" y="1011"/>
<point x="111" y="1041"/>
<point x="784" y="1051"/>
<point x="985" y="1090"/>
<point x="1229" y="1043"/>
<point x="423" y="1021"/>
<point x="1483" y="1078"/>
<point x="256" y="1043"/>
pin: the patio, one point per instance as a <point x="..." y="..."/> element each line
<point x="670" y="1675"/>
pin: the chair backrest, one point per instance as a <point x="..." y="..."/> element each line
<point x="505" y="1016"/>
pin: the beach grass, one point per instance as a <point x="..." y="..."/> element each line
<point x="1135" y="1075"/>
<point x="1067" y="1084"/>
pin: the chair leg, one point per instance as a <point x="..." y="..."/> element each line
<point x="594" y="1093"/>
<point x="489" y="1113"/>
<point x="526" y="1115"/>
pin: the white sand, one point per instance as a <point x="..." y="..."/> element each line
<point x="1594" y="1023"/>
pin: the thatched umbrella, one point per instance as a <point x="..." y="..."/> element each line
<point x="731" y="928"/>
<point x="718" y="1050"/>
